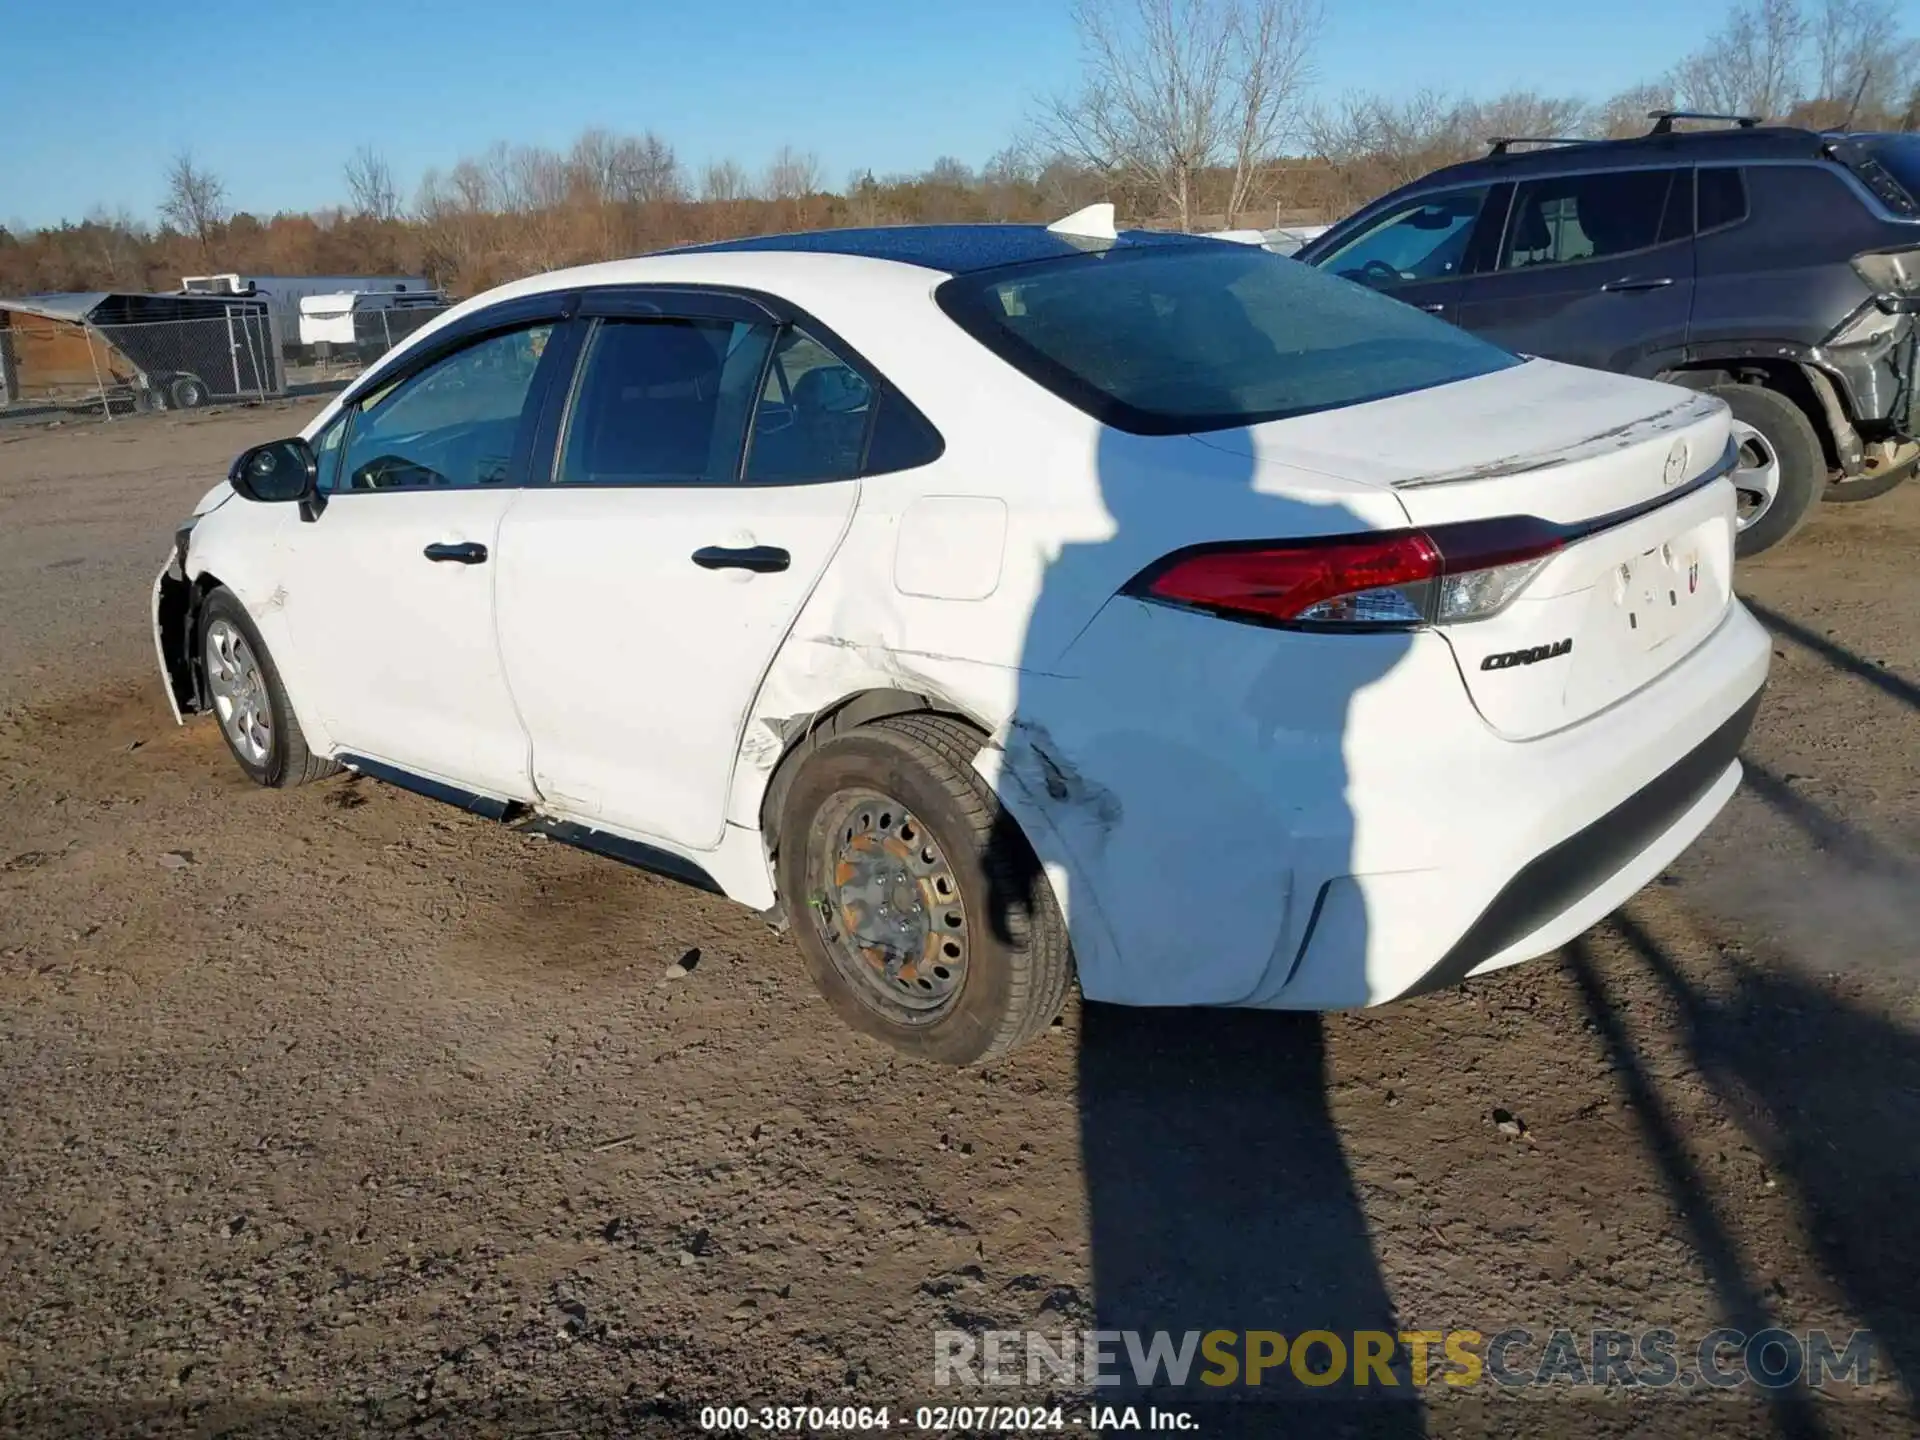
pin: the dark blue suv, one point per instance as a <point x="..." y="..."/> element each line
<point x="1778" y="268"/>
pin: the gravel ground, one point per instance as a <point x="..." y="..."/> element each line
<point x="336" y="1109"/>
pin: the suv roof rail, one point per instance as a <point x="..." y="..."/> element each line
<point x="1499" y="143"/>
<point x="1663" y="119"/>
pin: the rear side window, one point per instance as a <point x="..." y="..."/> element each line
<point x="1723" y="197"/>
<point x="1200" y="337"/>
<point x="663" y="402"/>
<point x="811" y="421"/>
<point x="1567" y="218"/>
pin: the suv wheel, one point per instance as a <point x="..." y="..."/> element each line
<point x="1780" y="471"/>
<point x="925" y="919"/>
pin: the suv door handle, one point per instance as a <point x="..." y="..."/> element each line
<point x="469" y="553"/>
<point x="1618" y="287"/>
<point x="1434" y="308"/>
<point x="761" y="559"/>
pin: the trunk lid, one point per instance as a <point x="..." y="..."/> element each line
<point x="1645" y="578"/>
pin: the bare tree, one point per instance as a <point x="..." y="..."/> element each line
<point x="196" y="200"/>
<point x="793" y="175"/>
<point x="1861" y="61"/>
<point x="646" y="170"/>
<point x="1174" y="88"/>
<point x="1626" y="114"/>
<point x="1752" y="65"/>
<point x="723" y="182"/>
<point x="370" y="185"/>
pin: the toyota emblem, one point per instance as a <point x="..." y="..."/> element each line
<point x="1676" y="463"/>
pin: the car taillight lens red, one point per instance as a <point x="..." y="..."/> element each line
<point x="1392" y="580"/>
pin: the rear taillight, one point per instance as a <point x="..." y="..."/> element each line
<point x="1395" y="580"/>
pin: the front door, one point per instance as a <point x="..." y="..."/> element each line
<point x="390" y="589"/>
<point x="1593" y="269"/>
<point x="644" y="591"/>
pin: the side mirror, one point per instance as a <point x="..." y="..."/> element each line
<point x="280" y="470"/>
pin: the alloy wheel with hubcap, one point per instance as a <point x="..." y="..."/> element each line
<point x="1756" y="475"/>
<point x="239" y="692"/>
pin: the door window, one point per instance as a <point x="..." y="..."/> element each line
<point x="664" y="402"/>
<point x="1426" y="240"/>
<point x="450" y="425"/>
<point x="812" y="418"/>
<point x="1722" y="199"/>
<point x="1569" y="218"/>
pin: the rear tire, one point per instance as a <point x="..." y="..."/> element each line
<point x="922" y="913"/>
<point x="249" y="702"/>
<point x="1784" y="429"/>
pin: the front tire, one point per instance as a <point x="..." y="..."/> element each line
<point x="188" y="392"/>
<point x="1781" y="469"/>
<point x="922" y="913"/>
<point x="249" y="701"/>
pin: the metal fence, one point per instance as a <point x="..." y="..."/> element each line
<point x="55" y="367"/>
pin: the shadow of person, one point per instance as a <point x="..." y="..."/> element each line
<point x="1829" y="1093"/>
<point x="1187" y="773"/>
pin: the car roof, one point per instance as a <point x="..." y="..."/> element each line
<point x="1690" y="147"/>
<point x="953" y="249"/>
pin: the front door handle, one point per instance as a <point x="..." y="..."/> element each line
<point x="465" y="554"/>
<point x="1617" y="287"/>
<point x="1435" y="308"/>
<point x="761" y="559"/>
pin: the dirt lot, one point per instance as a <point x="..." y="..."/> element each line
<point x="337" y="1107"/>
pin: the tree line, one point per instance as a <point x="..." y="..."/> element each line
<point x="1185" y="113"/>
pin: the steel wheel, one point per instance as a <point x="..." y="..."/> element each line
<point x="1756" y="475"/>
<point x="239" y="692"/>
<point x="888" y="907"/>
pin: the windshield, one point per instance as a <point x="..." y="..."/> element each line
<point x="1207" y="337"/>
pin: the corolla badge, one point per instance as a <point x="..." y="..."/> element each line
<point x="1676" y="463"/>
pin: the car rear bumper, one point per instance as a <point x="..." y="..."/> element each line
<point x="1280" y="821"/>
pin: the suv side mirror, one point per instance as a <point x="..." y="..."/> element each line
<point x="280" y="470"/>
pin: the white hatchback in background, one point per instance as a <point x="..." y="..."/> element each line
<point x="998" y="605"/>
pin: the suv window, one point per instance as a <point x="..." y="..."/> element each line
<point x="812" y="417"/>
<point x="452" y="424"/>
<point x="1183" y="338"/>
<point x="1426" y="240"/>
<point x="663" y="402"/>
<point x="1568" y="218"/>
<point x="1722" y="197"/>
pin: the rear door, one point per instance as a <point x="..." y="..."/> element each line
<point x="1592" y="269"/>
<point x="702" y="475"/>
<point x="1421" y="251"/>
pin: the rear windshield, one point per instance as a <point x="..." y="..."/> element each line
<point x="1207" y="337"/>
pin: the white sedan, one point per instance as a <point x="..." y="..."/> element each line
<point x="1000" y="606"/>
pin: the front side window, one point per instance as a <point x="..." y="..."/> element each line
<point x="452" y="424"/>
<point x="663" y="402"/>
<point x="1199" y="337"/>
<point x="1568" y="218"/>
<point x="812" y="418"/>
<point x="1426" y="240"/>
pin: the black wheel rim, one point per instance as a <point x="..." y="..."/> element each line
<point x="888" y="907"/>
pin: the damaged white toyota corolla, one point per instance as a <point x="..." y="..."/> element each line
<point x="998" y="605"/>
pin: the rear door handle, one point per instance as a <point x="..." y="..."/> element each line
<point x="469" y="553"/>
<point x="1434" y="309"/>
<point x="761" y="559"/>
<point x="1617" y="287"/>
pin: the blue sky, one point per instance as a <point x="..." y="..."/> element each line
<point x="273" y="96"/>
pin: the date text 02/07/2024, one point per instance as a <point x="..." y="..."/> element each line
<point x="939" y="1419"/>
